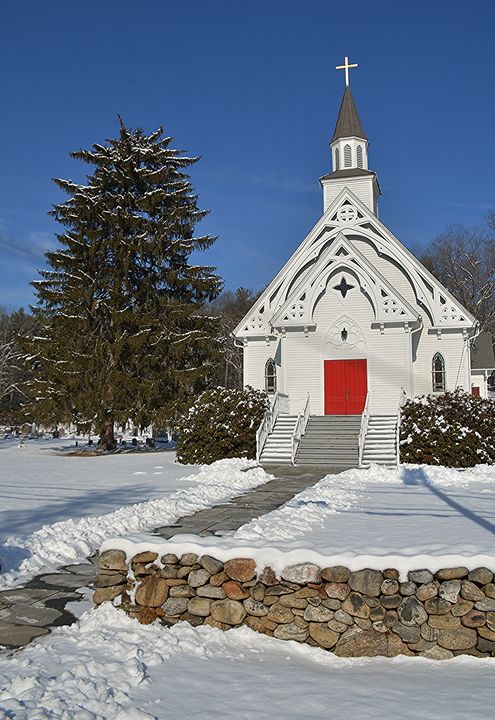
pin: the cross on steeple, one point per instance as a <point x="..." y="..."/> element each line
<point x="346" y="67"/>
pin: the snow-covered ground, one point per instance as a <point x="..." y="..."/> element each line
<point x="110" y="667"/>
<point x="57" y="509"/>
<point x="407" y="518"/>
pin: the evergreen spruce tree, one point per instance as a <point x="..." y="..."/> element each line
<point x="124" y="333"/>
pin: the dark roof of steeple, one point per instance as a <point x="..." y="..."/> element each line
<point x="348" y="122"/>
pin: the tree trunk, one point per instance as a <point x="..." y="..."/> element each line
<point x="107" y="437"/>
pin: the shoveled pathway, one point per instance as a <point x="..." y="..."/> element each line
<point x="32" y="610"/>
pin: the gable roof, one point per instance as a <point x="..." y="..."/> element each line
<point x="482" y="356"/>
<point x="348" y="122"/>
<point x="346" y="173"/>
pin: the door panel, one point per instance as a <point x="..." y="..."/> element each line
<point x="346" y="385"/>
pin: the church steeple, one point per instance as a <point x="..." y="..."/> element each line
<point x="349" y="148"/>
<point x="349" y="143"/>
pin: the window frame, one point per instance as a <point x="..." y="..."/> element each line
<point x="270" y="377"/>
<point x="438" y="372"/>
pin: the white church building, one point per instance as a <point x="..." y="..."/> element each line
<point x="351" y="326"/>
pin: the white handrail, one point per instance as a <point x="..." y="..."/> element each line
<point x="363" y="429"/>
<point x="402" y="400"/>
<point x="299" y="429"/>
<point x="280" y="404"/>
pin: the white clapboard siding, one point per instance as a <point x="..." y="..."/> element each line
<point x="361" y="187"/>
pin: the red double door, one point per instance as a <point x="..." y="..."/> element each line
<point x="346" y="385"/>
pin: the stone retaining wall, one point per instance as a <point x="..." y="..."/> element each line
<point x="362" y="613"/>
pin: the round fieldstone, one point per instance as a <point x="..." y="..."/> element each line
<point x="240" y="569"/>
<point x="420" y="577"/>
<point x="411" y="612"/>
<point x="113" y="560"/>
<point x="377" y="613"/>
<point x="390" y="602"/>
<point x="145" y="557"/>
<point x="212" y="592"/>
<point x="407" y="633"/>
<point x="109" y="579"/>
<point x="337" y="626"/>
<point x="407" y="588"/>
<point x="367" y="582"/>
<point x="291" y="631"/>
<point x="489" y="590"/>
<point x="449" y="590"/>
<point x="294" y="601"/>
<point x="486" y="633"/>
<point x="437" y="606"/>
<point x="302" y="573"/>
<point x="268" y="576"/>
<point x="183" y="571"/>
<point x="487" y="646"/>
<point x="336" y="574"/>
<point x="152" y="592"/>
<point x="389" y="587"/>
<point x="391" y="574"/>
<point x="355" y="605"/>
<point x="194" y="620"/>
<point x="168" y="571"/>
<point x="253" y="607"/>
<point x="260" y="624"/>
<point x="106" y="593"/>
<point x="199" y="606"/>
<point x="390" y="618"/>
<point x="452" y="573"/>
<point x="323" y="635"/>
<point x="363" y="623"/>
<point x="444" y="622"/>
<point x="219" y="579"/>
<point x="337" y="591"/>
<point x="169" y="559"/>
<point x="481" y="575"/>
<point x="428" y="633"/>
<point x="197" y="578"/>
<point x="437" y="653"/>
<point x="181" y="591"/>
<point x="380" y="627"/>
<point x="227" y="611"/>
<point x="318" y="614"/>
<point x="234" y="591"/>
<point x="258" y="592"/>
<point x="426" y="592"/>
<point x="474" y="619"/>
<point x="461" y="638"/>
<point x="487" y="605"/>
<point x="343" y="617"/>
<point x="210" y="564"/>
<point x="189" y="559"/>
<point x="331" y="603"/>
<point x="461" y="607"/>
<point x="280" y="614"/>
<point x="470" y="591"/>
<point x="175" y="605"/>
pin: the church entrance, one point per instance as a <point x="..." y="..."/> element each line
<point x="346" y="385"/>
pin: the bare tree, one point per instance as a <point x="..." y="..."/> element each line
<point x="231" y="306"/>
<point x="463" y="259"/>
<point x="12" y="370"/>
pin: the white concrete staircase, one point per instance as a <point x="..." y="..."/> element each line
<point x="380" y="442"/>
<point x="277" y="449"/>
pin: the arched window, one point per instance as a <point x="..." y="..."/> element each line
<point x="337" y="159"/>
<point x="270" y="377"/>
<point x="347" y="156"/>
<point x="359" y="156"/>
<point x="438" y="373"/>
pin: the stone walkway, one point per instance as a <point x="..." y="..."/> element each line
<point x="30" y="611"/>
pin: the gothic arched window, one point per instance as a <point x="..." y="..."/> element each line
<point x="337" y="159"/>
<point x="270" y="376"/>
<point x="359" y="156"/>
<point x="438" y="373"/>
<point x="347" y="156"/>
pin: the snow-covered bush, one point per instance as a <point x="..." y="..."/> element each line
<point x="452" y="429"/>
<point x="221" y="424"/>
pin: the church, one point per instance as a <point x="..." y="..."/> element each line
<point x="351" y="326"/>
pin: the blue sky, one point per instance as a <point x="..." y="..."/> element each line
<point x="251" y="87"/>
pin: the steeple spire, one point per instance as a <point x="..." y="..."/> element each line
<point x="348" y="122"/>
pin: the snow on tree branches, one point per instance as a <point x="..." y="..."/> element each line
<point x="123" y="332"/>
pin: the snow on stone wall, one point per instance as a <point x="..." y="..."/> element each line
<point x="362" y="613"/>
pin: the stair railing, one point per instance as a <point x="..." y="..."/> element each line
<point x="279" y="404"/>
<point x="299" y="429"/>
<point x="365" y="417"/>
<point x="402" y="400"/>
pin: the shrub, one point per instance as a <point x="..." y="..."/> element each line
<point x="221" y="424"/>
<point x="452" y="429"/>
